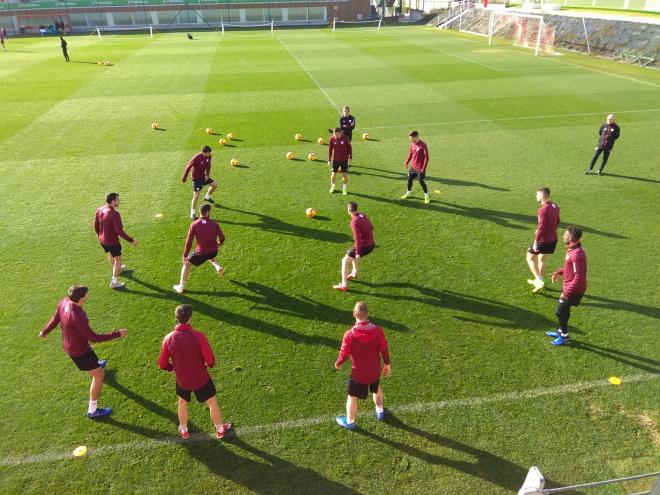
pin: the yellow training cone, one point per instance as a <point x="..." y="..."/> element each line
<point x="614" y="380"/>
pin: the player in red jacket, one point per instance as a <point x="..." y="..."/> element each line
<point x="365" y="344"/>
<point x="209" y="238"/>
<point x="340" y="154"/>
<point x="545" y="237"/>
<point x="187" y="352"/>
<point x="363" y="238"/>
<point x="108" y="227"/>
<point x="76" y="336"/>
<point x="418" y="158"/>
<point x="575" y="283"/>
<point x="199" y="167"/>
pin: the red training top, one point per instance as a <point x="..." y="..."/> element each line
<point x="365" y="343"/>
<point x="207" y="234"/>
<point x="419" y="154"/>
<point x="190" y="354"/>
<point x="200" y="165"/>
<point x="341" y="147"/>
<point x="76" y="332"/>
<point x="548" y="215"/>
<point x="363" y="231"/>
<point x="108" y="226"/>
<point x="574" y="271"/>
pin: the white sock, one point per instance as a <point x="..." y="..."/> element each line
<point x="183" y="428"/>
<point x="207" y="197"/>
<point x="426" y="195"/>
<point x="408" y="193"/>
<point x="219" y="427"/>
<point x="344" y="186"/>
<point x="379" y="409"/>
<point x="539" y="277"/>
<point x="192" y="210"/>
<point x="91" y="409"/>
<point x="216" y="265"/>
<point x="113" y="280"/>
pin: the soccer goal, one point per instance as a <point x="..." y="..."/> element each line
<point x="368" y="25"/>
<point x="248" y="29"/>
<point x="524" y="30"/>
<point x="138" y="30"/>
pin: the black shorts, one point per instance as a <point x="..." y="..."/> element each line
<point x="87" y="362"/>
<point x="365" y="250"/>
<point x="203" y="393"/>
<point x="572" y="300"/>
<point x="542" y="248"/>
<point x="113" y="250"/>
<point x="340" y="165"/>
<point x="361" y="390"/>
<point x="198" y="184"/>
<point x="198" y="259"/>
<point x="413" y="174"/>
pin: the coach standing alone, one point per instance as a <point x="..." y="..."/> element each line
<point x="607" y="134"/>
<point x="65" y="52"/>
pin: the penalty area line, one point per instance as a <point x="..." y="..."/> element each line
<point x="421" y="407"/>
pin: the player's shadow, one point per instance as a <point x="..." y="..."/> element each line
<point x="82" y="62"/>
<point x="482" y="464"/>
<point x="161" y="129"/>
<point x="228" y="317"/>
<point x="448" y="182"/>
<point x="277" y="226"/>
<point x="271" y="300"/>
<point x="490" y="312"/>
<point x="503" y="218"/>
<point x="259" y="471"/>
<point x="626" y="358"/>
<point x="605" y="303"/>
<point x="628" y="177"/>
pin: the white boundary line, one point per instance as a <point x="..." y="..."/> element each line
<point x="421" y="407"/>
<point x="604" y="72"/>
<point x="325" y="93"/>
<point x="531" y="117"/>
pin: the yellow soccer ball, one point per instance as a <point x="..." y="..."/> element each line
<point x="99" y="63"/>
<point x="310" y="212"/>
<point x="289" y="155"/>
<point x="154" y="125"/>
<point x="298" y="137"/>
<point x="230" y="135"/>
<point x="107" y="62"/>
<point x="234" y="162"/>
<point x="222" y="142"/>
<point x="320" y="141"/>
<point x="365" y="136"/>
<point x="311" y="157"/>
<point x="209" y="130"/>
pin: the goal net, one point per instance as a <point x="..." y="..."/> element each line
<point x="523" y="30"/>
<point x="137" y="30"/>
<point x="366" y="25"/>
<point x="248" y="29"/>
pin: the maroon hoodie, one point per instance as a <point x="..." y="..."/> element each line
<point x="365" y="343"/>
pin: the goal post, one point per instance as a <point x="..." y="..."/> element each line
<point x="107" y="30"/>
<point x="373" y="24"/>
<point x="258" y="28"/>
<point x="523" y="30"/>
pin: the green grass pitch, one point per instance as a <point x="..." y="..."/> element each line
<point x="447" y="281"/>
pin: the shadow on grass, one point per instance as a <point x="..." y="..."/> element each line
<point x="82" y="62"/>
<point x="485" y="465"/>
<point x="628" y="177"/>
<point x="228" y="317"/>
<point x="604" y="302"/>
<point x="271" y="300"/>
<point x="496" y="313"/>
<point x="627" y="358"/>
<point x="502" y="218"/>
<point x="272" y="224"/>
<point x="267" y="474"/>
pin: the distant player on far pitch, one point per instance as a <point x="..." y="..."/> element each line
<point x="200" y="164"/>
<point x="209" y="237"/>
<point x="363" y="237"/>
<point x="545" y="238"/>
<point x="418" y="158"/>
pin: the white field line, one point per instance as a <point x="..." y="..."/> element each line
<point x="603" y="72"/>
<point x="310" y="75"/>
<point x="421" y="407"/>
<point x="530" y="117"/>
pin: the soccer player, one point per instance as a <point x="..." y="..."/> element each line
<point x="109" y="229"/>
<point x="363" y="238"/>
<point x="607" y="134"/>
<point x="76" y="336"/>
<point x="340" y="146"/>
<point x="187" y="352"/>
<point x="418" y="158"/>
<point x="365" y="344"/>
<point x="200" y="164"/>
<point x="209" y="236"/>
<point x="2" y="38"/>
<point x="347" y="123"/>
<point x="575" y="283"/>
<point x="65" y="52"/>
<point x="545" y="237"/>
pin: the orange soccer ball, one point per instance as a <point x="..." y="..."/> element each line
<point x="320" y="141"/>
<point x="209" y="130"/>
<point x="298" y="137"/>
<point x="222" y="142"/>
<point x="234" y="162"/>
<point x="310" y="212"/>
<point x="154" y="125"/>
<point x="289" y="155"/>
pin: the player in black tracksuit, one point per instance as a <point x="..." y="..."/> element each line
<point x="608" y="133"/>
<point x="64" y="52"/>
<point x="347" y="123"/>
